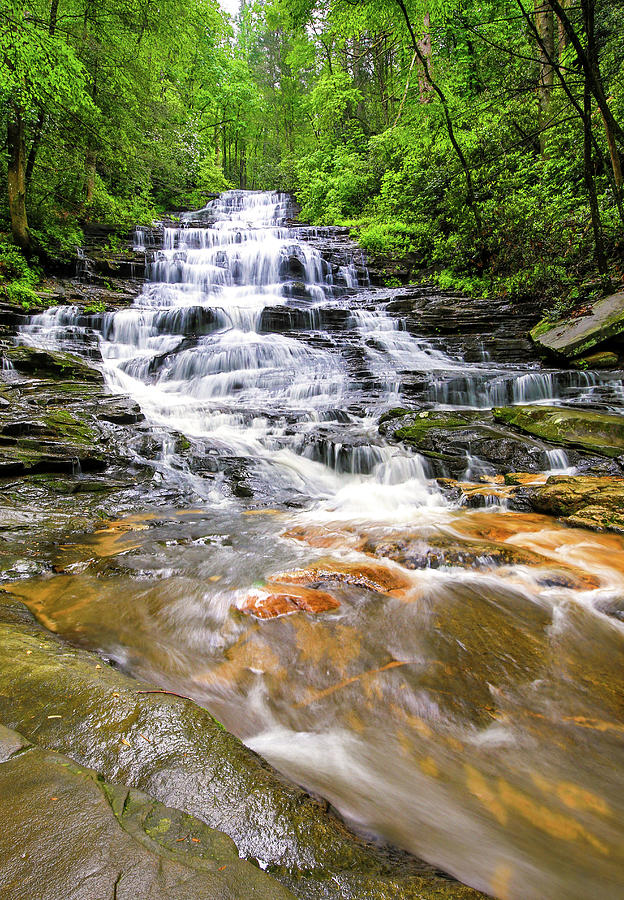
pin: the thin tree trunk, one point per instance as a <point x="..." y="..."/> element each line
<point x="90" y="161"/>
<point x="544" y="25"/>
<point x="424" y="80"/>
<point x="16" y="146"/>
<point x="589" y="66"/>
<point x="34" y="147"/>
<point x="470" y="192"/>
<point x="599" y="253"/>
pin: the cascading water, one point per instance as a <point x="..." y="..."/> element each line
<point x="455" y="701"/>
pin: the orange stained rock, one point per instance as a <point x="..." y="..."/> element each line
<point x="379" y="578"/>
<point x="498" y="526"/>
<point x="249" y="653"/>
<point x="478" y="786"/>
<point x="365" y="677"/>
<point x="326" y="536"/>
<point x="335" y="645"/>
<point x="518" y="478"/>
<point x="55" y="600"/>
<point x="572" y="795"/>
<point x="280" y="599"/>
<point x="429" y="766"/>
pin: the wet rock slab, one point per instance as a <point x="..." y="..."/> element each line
<point x="594" y="432"/>
<point x="131" y="733"/>
<point x="69" y="834"/>
<point x="570" y="338"/>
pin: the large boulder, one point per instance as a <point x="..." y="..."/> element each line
<point x="571" y="338"/>
<point x="594" y="432"/>
<point x="69" y="834"/>
<point x="132" y="733"/>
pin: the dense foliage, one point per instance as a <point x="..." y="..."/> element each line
<point x="480" y="140"/>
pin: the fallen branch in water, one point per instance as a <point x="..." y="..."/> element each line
<point x="171" y="693"/>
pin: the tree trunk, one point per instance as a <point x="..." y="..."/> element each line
<point x="471" y="198"/>
<point x="599" y="253"/>
<point x="16" y="146"/>
<point x="34" y="147"/>
<point x="90" y="161"/>
<point x="424" y="80"/>
<point x="544" y="24"/>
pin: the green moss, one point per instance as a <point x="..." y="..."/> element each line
<point x="429" y="421"/>
<point x="599" y="433"/>
<point x="395" y="413"/>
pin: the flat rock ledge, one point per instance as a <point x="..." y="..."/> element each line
<point x="571" y="338"/>
<point x="166" y="770"/>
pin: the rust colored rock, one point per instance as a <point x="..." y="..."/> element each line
<point x="281" y="599"/>
<point x="379" y="578"/>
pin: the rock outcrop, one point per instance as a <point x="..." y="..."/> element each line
<point x="69" y="834"/>
<point x="571" y="338"/>
<point x="595" y="432"/>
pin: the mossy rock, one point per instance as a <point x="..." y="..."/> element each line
<point x="595" y="432"/>
<point x="46" y="363"/>
<point x="69" y="834"/>
<point x="604" y="360"/>
<point x="584" y="501"/>
<point x="570" y="338"/>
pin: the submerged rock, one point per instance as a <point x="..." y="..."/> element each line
<point x="69" y="834"/>
<point x="596" y="432"/>
<point x="281" y="599"/>
<point x="570" y="338"/>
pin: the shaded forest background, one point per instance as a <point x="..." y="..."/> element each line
<point x="480" y="141"/>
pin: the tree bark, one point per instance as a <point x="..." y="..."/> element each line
<point x="16" y="146"/>
<point x="424" y="82"/>
<point x="34" y="147"/>
<point x="599" y="253"/>
<point x="544" y="25"/>
<point x="470" y="192"/>
<point x="90" y="160"/>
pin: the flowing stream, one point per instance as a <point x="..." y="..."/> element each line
<point x="455" y="685"/>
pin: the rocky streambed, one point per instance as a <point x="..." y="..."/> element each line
<point x="374" y="531"/>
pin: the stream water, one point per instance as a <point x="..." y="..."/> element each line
<point x="455" y="686"/>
